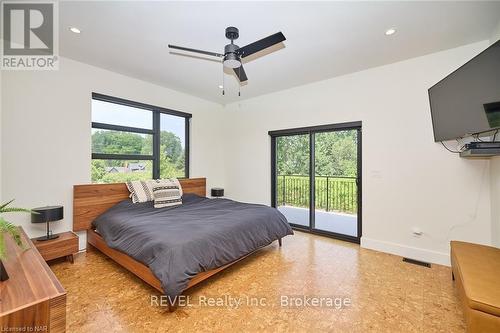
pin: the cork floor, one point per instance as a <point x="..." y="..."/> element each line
<point x="377" y="291"/>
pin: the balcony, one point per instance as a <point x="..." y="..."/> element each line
<point x="335" y="202"/>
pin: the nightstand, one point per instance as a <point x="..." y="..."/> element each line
<point x="66" y="245"/>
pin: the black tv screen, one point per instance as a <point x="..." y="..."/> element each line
<point x="467" y="101"/>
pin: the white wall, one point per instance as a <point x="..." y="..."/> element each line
<point x="495" y="178"/>
<point x="408" y="180"/>
<point x="45" y="136"/>
<point x="495" y="34"/>
<point x="495" y="201"/>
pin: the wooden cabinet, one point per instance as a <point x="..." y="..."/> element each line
<point x="66" y="245"/>
<point x="32" y="299"/>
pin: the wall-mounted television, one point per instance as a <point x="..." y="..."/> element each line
<point x="467" y="101"/>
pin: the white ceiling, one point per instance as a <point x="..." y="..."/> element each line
<point x="324" y="39"/>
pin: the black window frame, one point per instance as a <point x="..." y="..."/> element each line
<point x="311" y="131"/>
<point x="155" y="132"/>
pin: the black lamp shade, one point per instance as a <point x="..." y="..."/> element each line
<point x="217" y="192"/>
<point x="47" y="214"/>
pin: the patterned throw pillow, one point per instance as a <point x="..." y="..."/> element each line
<point x="140" y="191"/>
<point x="166" y="181"/>
<point x="166" y="195"/>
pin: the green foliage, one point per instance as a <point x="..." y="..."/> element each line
<point x="8" y="228"/>
<point x="172" y="159"/>
<point x="171" y="146"/>
<point x="125" y="177"/>
<point x="114" y="142"/>
<point x="293" y="155"/>
<point x="98" y="170"/>
<point x="335" y="152"/>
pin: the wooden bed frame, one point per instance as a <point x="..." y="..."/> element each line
<point x="89" y="201"/>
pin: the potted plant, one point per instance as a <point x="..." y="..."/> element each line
<point x="8" y="229"/>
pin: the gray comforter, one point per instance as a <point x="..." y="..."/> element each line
<point x="201" y="234"/>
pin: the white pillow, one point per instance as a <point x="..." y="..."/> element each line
<point x="166" y="194"/>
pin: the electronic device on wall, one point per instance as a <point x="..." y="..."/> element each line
<point x="481" y="149"/>
<point x="467" y="102"/>
<point x="483" y="145"/>
<point x="233" y="54"/>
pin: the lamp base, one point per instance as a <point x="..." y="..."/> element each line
<point x="3" y="273"/>
<point x="47" y="237"/>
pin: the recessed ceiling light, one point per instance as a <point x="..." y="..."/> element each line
<point x="75" y="30"/>
<point x="390" y="31"/>
<point x="220" y="87"/>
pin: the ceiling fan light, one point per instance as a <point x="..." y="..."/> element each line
<point x="231" y="60"/>
<point x="232" y="63"/>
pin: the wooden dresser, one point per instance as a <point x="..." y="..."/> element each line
<point x="32" y="300"/>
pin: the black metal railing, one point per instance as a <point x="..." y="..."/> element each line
<point x="332" y="193"/>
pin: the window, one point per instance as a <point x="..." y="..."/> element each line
<point x="136" y="141"/>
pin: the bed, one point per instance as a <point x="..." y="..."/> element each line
<point x="174" y="249"/>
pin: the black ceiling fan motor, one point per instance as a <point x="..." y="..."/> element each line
<point x="230" y="48"/>
<point x="232" y="33"/>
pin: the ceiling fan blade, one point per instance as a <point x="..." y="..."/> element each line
<point x="261" y="44"/>
<point x="196" y="51"/>
<point x="240" y="73"/>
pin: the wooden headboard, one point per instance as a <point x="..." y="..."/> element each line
<point x="90" y="201"/>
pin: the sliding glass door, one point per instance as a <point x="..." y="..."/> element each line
<point x="316" y="178"/>
<point x="292" y="178"/>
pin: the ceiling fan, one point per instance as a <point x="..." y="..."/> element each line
<point x="233" y="53"/>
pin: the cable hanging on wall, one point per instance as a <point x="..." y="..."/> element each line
<point x="223" y="84"/>
<point x="239" y="83"/>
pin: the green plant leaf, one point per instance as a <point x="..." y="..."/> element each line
<point x="8" y="228"/>
<point x="17" y="210"/>
<point x="13" y="231"/>
<point x="6" y="204"/>
<point x="5" y="209"/>
<point x="5" y="225"/>
<point x="2" y="246"/>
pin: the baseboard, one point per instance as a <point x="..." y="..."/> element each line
<point x="406" y="251"/>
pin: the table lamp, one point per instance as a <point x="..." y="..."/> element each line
<point x="46" y="215"/>
<point x="217" y="192"/>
